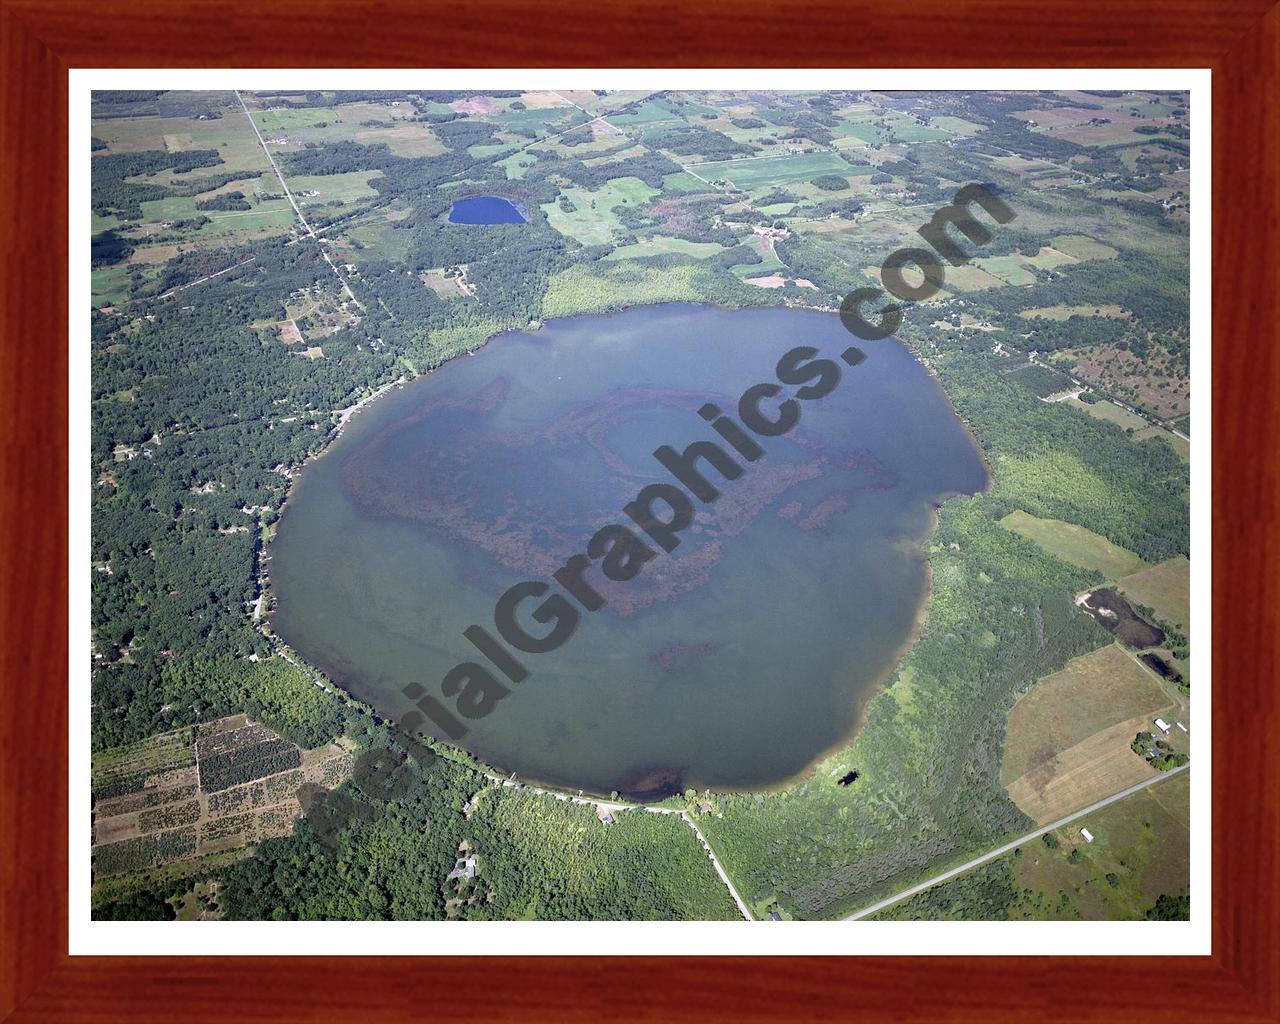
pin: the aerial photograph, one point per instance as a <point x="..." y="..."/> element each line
<point x="670" y="505"/>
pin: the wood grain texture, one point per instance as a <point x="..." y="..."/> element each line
<point x="39" y="41"/>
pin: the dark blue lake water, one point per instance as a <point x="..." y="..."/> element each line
<point x="733" y="662"/>
<point x="485" y="210"/>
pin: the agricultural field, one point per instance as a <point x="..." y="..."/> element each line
<point x="1139" y="855"/>
<point x="1010" y="269"/>
<point x="374" y="236"/>
<point x="658" y="245"/>
<point x="517" y="164"/>
<point x="1049" y="258"/>
<point x="325" y="189"/>
<point x="751" y="173"/>
<point x="589" y="216"/>
<point x="970" y="278"/>
<point x="1082" y="247"/>
<point x="208" y="789"/>
<point x="1165" y="588"/>
<point x="888" y="127"/>
<point x="1140" y="851"/>
<point x="1075" y="544"/>
<point x="769" y="261"/>
<point x="1068" y="737"/>
<point x="1109" y="412"/>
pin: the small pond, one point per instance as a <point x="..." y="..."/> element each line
<point x="486" y="210"/>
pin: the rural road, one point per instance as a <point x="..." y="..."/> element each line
<point x="614" y="805"/>
<point x="293" y="202"/>
<point x="1009" y="847"/>
<point x="202" y="280"/>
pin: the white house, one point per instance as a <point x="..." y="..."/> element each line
<point x="1088" y="836"/>
<point x="1162" y="725"/>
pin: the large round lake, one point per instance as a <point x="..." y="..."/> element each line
<point x="733" y="662"/>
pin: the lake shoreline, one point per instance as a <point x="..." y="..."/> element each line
<point x="863" y="700"/>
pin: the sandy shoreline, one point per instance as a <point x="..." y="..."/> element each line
<point x="344" y="415"/>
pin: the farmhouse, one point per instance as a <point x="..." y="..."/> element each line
<point x="1162" y="725"/>
<point x="1088" y="836"/>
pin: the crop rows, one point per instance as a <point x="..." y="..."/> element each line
<point x="131" y="802"/>
<point x="220" y="828"/>
<point x="144" y="852"/>
<point x="243" y="755"/>
<point x="271" y="790"/>
<point x="169" y="816"/>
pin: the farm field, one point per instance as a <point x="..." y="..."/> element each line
<point x="517" y="164"/>
<point x="377" y="236"/>
<point x="332" y="188"/>
<point x="769" y="261"/>
<point x="971" y="278"/>
<point x="593" y="221"/>
<point x="1068" y="737"/>
<point x="890" y="127"/>
<point x="1140" y="852"/>
<point x="957" y="126"/>
<point x="1075" y="544"/>
<point x="1049" y="258"/>
<point x="110" y="285"/>
<point x="204" y="790"/>
<point x="659" y="245"/>
<point x="1082" y="247"/>
<point x="1166" y="588"/>
<point x="750" y="173"/>
<point x="1111" y="413"/>
<point x="1010" y="269"/>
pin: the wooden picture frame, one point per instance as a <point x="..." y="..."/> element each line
<point x="42" y="40"/>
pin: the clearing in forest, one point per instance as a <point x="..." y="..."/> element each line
<point x="1075" y="544"/>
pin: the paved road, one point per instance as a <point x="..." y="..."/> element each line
<point x="292" y="202"/>
<point x="1009" y="847"/>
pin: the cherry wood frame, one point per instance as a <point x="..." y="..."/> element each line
<point x="40" y="39"/>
